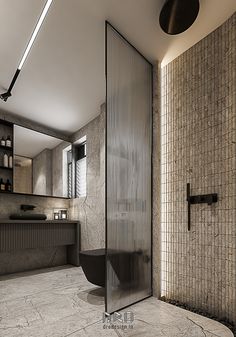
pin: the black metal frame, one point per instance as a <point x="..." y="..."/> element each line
<point x="107" y="23"/>
<point x="34" y="195"/>
<point x="11" y="127"/>
<point x="7" y="123"/>
<point x="7" y="94"/>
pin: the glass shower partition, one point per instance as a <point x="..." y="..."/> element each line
<point x="128" y="173"/>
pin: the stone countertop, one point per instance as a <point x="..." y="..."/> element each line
<point x="9" y="221"/>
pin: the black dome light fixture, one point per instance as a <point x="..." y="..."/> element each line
<point x="178" y="15"/>
<point x="7" y="94"/>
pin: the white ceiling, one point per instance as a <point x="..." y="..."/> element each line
<point x="62" y="83"/>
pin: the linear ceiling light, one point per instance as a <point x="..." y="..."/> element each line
<point x="7" y="94"/>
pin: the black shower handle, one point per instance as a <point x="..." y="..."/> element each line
<point x="199" y="199"/>
<point x="189" y="206"/>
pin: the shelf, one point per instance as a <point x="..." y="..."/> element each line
<point x="6" y="148"/>
<point x="6" y="123"/>
<point x="6" y="168"/>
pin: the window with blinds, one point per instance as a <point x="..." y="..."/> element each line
<point x="80" y="169"/>
<point x="69" y="174"/>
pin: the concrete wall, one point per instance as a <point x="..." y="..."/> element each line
<point x="198" y="146"/>
<point x="90" y="210"/>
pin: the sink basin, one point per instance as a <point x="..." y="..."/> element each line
<point x="25" y="216"/>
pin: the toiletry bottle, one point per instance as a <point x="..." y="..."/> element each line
<point x="3" y="142"/>
<point x="2" y="185"/>
<point x="8" y="186"/>
<point x="8" y="141"/>
<point x="5" y="160"/>
<point x="10" y="161"/>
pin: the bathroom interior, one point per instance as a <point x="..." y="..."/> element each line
<point x="118" y="168"/>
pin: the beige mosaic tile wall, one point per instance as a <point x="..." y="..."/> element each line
<point x="198" y="145"/>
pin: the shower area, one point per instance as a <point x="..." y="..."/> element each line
<point x="175" y="203"/>
<point x="195" y="258"/>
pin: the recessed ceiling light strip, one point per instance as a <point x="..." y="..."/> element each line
<point x="7" y="94"/>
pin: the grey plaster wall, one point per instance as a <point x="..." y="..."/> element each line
<point x="90" y="210"/>
<point x="198" y="145"/>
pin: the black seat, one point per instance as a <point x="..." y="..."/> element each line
<point x="93" y="265"/>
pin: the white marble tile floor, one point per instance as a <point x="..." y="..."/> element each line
<point x="60" y="302"/>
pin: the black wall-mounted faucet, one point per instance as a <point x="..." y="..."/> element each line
<point x="27" y="207"/>
<point x="199" y="199"/>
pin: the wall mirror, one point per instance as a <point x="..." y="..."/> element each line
<point x="42" y="164"/>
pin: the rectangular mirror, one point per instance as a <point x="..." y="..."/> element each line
<point x="41" y="164"/>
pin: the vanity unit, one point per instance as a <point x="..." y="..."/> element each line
<point x="32" y="244"/>
<point x="39" y="171"/>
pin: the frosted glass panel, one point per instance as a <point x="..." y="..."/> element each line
<point x="128" y="184"/>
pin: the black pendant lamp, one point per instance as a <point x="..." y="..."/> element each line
<point x="178" y="15"/>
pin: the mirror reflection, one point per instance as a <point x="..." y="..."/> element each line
<point x="41" y="164"/>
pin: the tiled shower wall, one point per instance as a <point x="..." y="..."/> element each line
<point x="198" y="146"/>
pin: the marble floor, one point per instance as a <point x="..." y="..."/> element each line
<point x="60" y="302"/>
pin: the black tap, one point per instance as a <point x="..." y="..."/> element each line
<point x="27" y="207"/>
